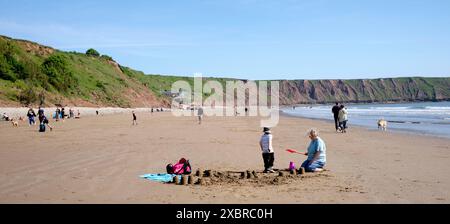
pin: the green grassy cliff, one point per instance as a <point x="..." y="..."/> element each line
<point x="32" y="74"/>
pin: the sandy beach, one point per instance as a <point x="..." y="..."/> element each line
<point x="98" y="159"/>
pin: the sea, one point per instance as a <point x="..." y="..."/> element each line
<point x="428" y="118"/>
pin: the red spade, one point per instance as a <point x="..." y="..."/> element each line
<point x="293" y="151"/>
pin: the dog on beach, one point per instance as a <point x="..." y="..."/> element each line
<point x="382" y="124"/>
<point x="14" y="123"/>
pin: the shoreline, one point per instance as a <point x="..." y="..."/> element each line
<point x="367" y="128"/>
<point x="369" y="102"/>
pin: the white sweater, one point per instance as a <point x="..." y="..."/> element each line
<point x="266" y="143"/>
<point x="343" y="115"/>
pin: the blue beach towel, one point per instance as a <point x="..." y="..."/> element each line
<point x="160" y="177"/>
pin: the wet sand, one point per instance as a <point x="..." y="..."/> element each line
<point x="99" y="160"/>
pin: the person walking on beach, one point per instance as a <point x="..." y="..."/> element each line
<point x="134" y="118"/>
<point x="335" y="110"/>
<point x="200" y="115"/>
<point x="31" y="117"/>
<point x="268" y="153"/>
<point x="343" y="118"/>
<point x="40" y="114"/>
<point x="71" y="113"/>
<point x="43" y="123"/>
<point x="57" y="113"/>
<point x="316" y="153"/>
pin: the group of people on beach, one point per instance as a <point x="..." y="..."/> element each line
<point x="61" y="114"/>
<point x="340" y="115"/>
<point x="316" y="152"/>
<point x="43" y="120"/>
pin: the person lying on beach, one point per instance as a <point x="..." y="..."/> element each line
<point x="268" y="153"/>
<point x="316" y="153"/>
<point x="5" y="117"/>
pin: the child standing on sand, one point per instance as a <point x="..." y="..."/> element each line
<point x="134" y="118"/>
<point x="267" y="150"/>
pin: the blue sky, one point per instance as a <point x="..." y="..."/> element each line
<point x="251" y="39"/>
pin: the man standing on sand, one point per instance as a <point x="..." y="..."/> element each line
<point x="267" y="150"/>
<point x="200" y="115"/>
<point x="134" y="118"/>
<point x="335" y="110"/>
<point x="316" y="153"/>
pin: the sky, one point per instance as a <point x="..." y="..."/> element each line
<point x="246" y="39"/>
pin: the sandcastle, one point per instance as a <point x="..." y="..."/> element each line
<point x="213" y="177"/>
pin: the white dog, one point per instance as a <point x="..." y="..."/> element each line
<point x="382" y="124"/>
<point x="14" y="123"/>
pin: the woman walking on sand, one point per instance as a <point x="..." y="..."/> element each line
<point x="343" y="118"/>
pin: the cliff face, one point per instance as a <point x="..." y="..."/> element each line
<point x="364" y="90"/>
<point x="32" y="74"/>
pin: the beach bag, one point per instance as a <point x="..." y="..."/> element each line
<point x="291" y="166"/>
<point x="42" y="128"/>
<point x="182" y="167"/>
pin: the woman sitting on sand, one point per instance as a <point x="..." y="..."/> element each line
<point x="316" y="153"/>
